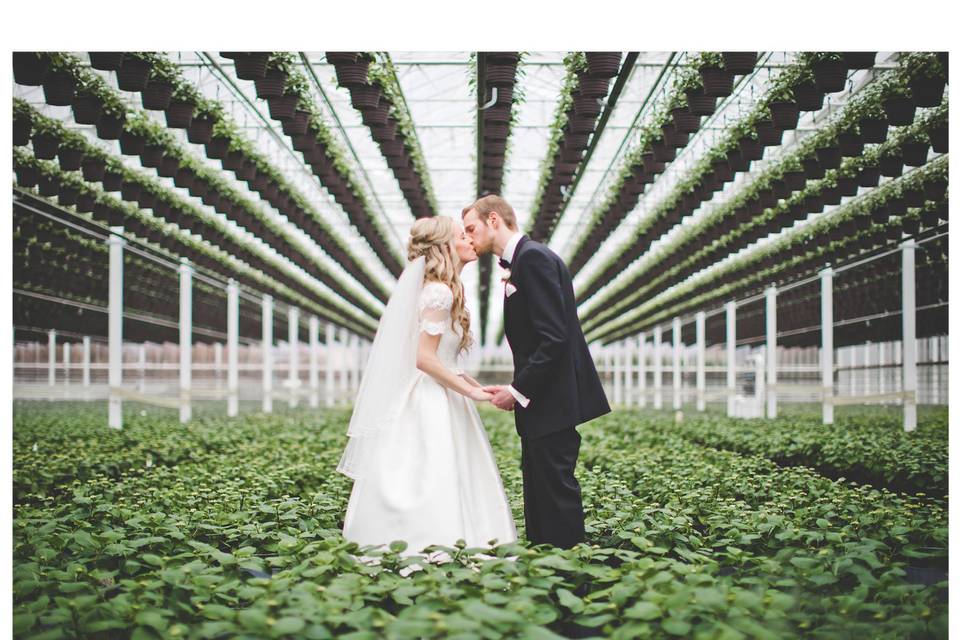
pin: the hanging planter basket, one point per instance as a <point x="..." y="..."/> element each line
<point x="685" y="121"/>
<point x="808" y="96"/>
<point x="133" y="74"/>
<point x="30" y="68"/>
<point x="303" y="141"/>
<point x="106" y="60"/>
<point x="131" y="144"/>
<point x="813" y="203"/>
<point x="69" y="159"/>
<point x="850" y="144"/>
<point x="130" y="191"/>
<point x="812" y="168"/>
<point x="785" y="115"/>
<point x="674" y="138"/>
<point x="796" y="180"/>
<point x="200" y="130"/>
<point x="499" y="114"/>
<point x="496" y="131"/>
<point x="650" y="164"/>
<point x="45" y="146"/>
<point x="848" y="186"/>
<point x="750" y="149"/>
<point x="939" y="138"/>
<point x="830" y="195"/>
<point x="352" y="74"/>
<point x="251" y="66"/>
<point x="92" y="168"/>
<point x="717" y="82"/>
<point x="27" y="177"/>
<point x="217" y="148"/>
<point x="584" y="106"/>
<point x="501" y="75"/>
<point x="365" y="96"/>
<point x="151" y="156"/>
<point x="271" y="84"/>
<point x="582" y="125"/>
<point x="22" y="127"/>
<point x="900" y="110"/>
<point x="179" y="114"/>
<point x="58" y="88"/>
<point x="297" y="123"/>
<point x="48" y="186"/>
<point x="829" y="157"/>
<point x="739" y="62"/>
<point x="168" y="167"/>
<point x="592" y="86"/>
<point x="891" y="166"/>
<point x="283" y="107"/>
<point x="768" y="135"/>
<point x="86" y="109"/>
<point x="927" y="92"/>
<point x="935" y="190"/>
<point x="869" y="176"/>
<point x="873" y="130"/>
<point x="603" y="64"/>
<point x="663" y="153"/>
<point x="915" y="153"/>
<point x="156" y="96"/>
<point x="913" y="197"/>
<point x="700" y="104"/>
<point x="111" y="181"/>
<point x="859" y="59"/>
<point x="184" y="178"/>
<point x="109" y="127"/>
<point x="830" y="76"/>
<point x="378" y="116"/>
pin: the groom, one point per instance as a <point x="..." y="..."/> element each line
<point x="555" y="385"/>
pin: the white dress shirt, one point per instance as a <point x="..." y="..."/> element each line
<point x="508" y="252"/>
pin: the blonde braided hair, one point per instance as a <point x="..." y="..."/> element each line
<point x="433" y="238"/>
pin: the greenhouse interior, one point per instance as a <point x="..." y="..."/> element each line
<point x="755" y="246"/>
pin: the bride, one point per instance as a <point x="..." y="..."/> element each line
<point x="423" y="468"/>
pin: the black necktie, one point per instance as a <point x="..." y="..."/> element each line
<point x="504" y="263"/>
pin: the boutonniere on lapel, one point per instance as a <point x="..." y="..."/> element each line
<point x="509" y="287"/>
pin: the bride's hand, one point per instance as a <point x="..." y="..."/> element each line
<point x="480" y="395"/>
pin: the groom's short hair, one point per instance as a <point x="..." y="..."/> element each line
<point x="493" y="202"/>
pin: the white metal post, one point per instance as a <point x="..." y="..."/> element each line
<point x="328" y="381"/>
<point x="218" y="361"/>
<point x="771" y="357"/>
<point x="731" y="309"/>
<point x="115" y="326"/>
<point x="266" y="342"/>
<point x="86" y="361"/>
<point x="701" y="360"/>
<point x="677" y="372"/>
<point x="342" y="364"/>
<point x="826" y="342"/>
<point x="51" y="357"/>
<point x="642" y="369"/>
<point x="909" y="336"/>
<point x="66" y="363"/>
<point x="186" y="337"/>
<point x="233" y="345"/>
<point x="314" y="359"/>
<point x="293" y="338"/>
<point x="881" y="363"/>
<point x="657" y="368"/>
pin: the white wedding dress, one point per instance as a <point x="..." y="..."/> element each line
<point x="433" y="478"/>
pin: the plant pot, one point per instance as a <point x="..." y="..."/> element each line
<point x="69" y="159"/>
<point x="30" y="68"/>
<point x="939" y="138"/>
<point x="914" y="153"/>
<point x="200" y="130"/>
<point x="685" y="121"/>
<point x="501" y="75"/>
<point x="582" y="125"/>
<point x="283" y="107"/>
<point x="900" y="110"/>
<point x="133" y="74"/>
<point x="109" y="128"/>
<point x="930" y="217"/>
<point x="498" y="131"/>
<point x="717" y="82"/>
<point x="768" y="135"/>
<point x="785" y="115"/>
<point x="352" y="74"/>
<point x="58" y="88"/>
<point x="45" y="146"/>
<point x="736" y="161"/>
<point x="850" y="144"/>
<point x="92" y="168"/>
<point x="593" y="86"/>
<point x="927" y="92"/>
<point x="296" y="124"/>
<point x="130" y="191"/>
<point x="303" y="141"/>
<point x="365" y="96"/>
<point x="106" y="60"/>
<point x="251" y="66"/>
<point x="112" y="181"/>
<point x="663" y="153"/>
<point x="156" y="96"/>
<point x="271" y="84"/>
<point x="739" y="62"/>
<point x="873" y="130"/>
<point x="859" y="59"/>
<point x="830" y="195"/>
<point x="179" y="114"/>
<point x="86" y="109"/>
<point x="701" y="105"/>
<point x="750" y="149"/>
<point x="22" y="127"/>
<point x="830" y="76"/>
<point x="184" y="178"/>
<point x="813" y="203"/>
<point x="168" y="167"/>
<point x="27" y="176"/>
<point x="829" y="157"/>
<point x="217" y="148"/>
<point x="891" y="166"/>
<point x="47" y="185"/>
<point x="913" y="197"/>
<point x="151" y="156"/>
<point x="651" y="164"/>
<point x="848" y="186"/>
<point x="935" y="190"/>
<point x="796" y="180"/>
<point x="85" y="202"/>
<point x="603" y="64"/>
<point x="584" y="106"/>
<point x="674" y="138"/>
<point x="809" y="97"/>
<point x="377" y="116"/>
<point x="498" y="114"/>
<point x="869" y="176"/>
<point x="812" y="168"/>
<point x="131" y="144"/>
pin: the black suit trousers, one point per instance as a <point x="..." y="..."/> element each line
<point x="552" y="508"/>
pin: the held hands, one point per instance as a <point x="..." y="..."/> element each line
<point x="480" y="394"/>
<point x="502" y="398"/>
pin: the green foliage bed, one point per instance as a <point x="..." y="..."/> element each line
<point x="231" y="528"/>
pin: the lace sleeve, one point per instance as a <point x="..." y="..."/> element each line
<point x="436" y="300"/>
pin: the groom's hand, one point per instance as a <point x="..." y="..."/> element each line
<point x="502" y="398"/>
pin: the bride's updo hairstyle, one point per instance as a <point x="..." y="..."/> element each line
<point x="433" y="238"/>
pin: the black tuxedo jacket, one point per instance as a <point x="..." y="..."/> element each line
<point x="552" y="364"/>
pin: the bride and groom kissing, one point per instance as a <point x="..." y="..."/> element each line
<point x="423" y="468"/>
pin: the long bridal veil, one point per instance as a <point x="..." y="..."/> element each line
<point x="390" y="371"/>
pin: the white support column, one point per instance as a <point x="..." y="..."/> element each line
<point x="218" y="361"/>
<point x="701" y="360"/>
<point x="881" y="363"/>
<point x="142" y="361"/>
<point x="628" y="384"/>
<point x="51" y="357"/>
<point x="86" y="361"/>
<point x="293" y="337"/>
<point x="115" y="326"/>
<point x="66" y="363"/>
<point x="867" y="369"/>
<point x="342" y="366"/>
<point x="186" y="337"/>
<point x="642" y="369"/>
<point x="233" y="345"/>
<point x="771" y="357"/>
<point x="266" y="350"/>
<point x="657" y="368"/>
<point x="677" y="368"/>
<point x="909" y="298"/>
<point x="614" y="351"/>
<point x="314" y="360"/>
<point x="826" y="342"/>
<point x="328" y="381"/>
<point x="731" y="310"/>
